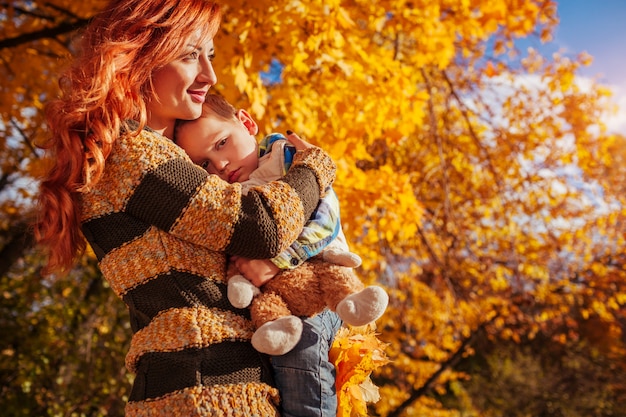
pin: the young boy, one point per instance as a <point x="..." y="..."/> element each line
<point x="223" y="142"/>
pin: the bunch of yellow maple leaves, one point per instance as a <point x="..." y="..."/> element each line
<point x="356" y="353"/>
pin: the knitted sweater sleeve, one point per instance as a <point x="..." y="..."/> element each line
<point x="305" y="178"/>
<point x="178" y="197"/>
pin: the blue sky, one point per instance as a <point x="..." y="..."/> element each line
<point x="597" y="27"/>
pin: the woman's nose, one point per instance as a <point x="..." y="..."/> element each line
<point x="207" y="73"/>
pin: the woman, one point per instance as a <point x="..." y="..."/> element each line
<point x="159" y="225"/>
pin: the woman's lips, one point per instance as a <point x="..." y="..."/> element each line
<point x="197" y="96"/>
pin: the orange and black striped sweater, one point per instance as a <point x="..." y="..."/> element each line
<point x="162" y="228"/>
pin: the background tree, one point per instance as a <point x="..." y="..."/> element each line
<point x="477" y="182"/>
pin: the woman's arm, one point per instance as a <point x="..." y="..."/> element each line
<point x="311" y="169"/>
<point x="180" y="198"/>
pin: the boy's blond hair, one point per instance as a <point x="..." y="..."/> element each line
<point x="215" y="105"/>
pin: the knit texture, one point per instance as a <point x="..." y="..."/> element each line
<point x="161" y="228"/>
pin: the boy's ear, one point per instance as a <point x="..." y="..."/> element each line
<point x="248" y="121"/>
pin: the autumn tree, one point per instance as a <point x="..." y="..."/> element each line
<point x="477" y="182"/>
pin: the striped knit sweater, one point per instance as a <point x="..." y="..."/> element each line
<point x="161" y="228"/>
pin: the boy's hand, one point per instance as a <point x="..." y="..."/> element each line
<point x="257" y="271"/>
<point x="297" y="142"/>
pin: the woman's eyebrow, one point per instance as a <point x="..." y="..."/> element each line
<point x="199" y="48"/>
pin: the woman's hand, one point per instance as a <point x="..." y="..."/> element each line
<point x="297" y="142"/>
<point x="257" y="271"/>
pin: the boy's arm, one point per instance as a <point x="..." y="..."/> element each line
<point x="318" y="232"/>
<point x="257" y="271"/>
<point x="323" y="226"/>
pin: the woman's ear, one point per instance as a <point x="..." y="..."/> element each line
<point x="247" y="120"/>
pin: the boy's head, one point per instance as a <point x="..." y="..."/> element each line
<point x="222" y="140"/>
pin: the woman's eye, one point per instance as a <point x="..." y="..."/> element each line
<point x="205" y="165"/>
<point x="193" y="55"/>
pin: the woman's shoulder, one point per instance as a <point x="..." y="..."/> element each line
<point x="135" y="156"/>
<point x="146" y="148"/>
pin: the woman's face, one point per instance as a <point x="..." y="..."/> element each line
<point x="180" y="88"/>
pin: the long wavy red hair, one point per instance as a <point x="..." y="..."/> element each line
<point x="107" y="84"/>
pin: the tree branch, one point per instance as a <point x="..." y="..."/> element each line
<point x="21" y="238"/>
<point x="50" y="32"/>
<point x="27" y="140"/>
<point x="470" y="127"/>
<point x="415" y="394"/>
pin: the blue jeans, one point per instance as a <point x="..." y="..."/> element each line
<point x="304" y="376"/>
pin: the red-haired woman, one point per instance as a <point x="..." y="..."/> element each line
<point x="160" y="226"/>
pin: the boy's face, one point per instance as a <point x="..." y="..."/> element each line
<point x="227" y="148"/>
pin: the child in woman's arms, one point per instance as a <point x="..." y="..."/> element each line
<point x="223" y="142"/>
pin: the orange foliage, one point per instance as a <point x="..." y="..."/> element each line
<point x="356" y="353"/>
<point x="477" y="182"/>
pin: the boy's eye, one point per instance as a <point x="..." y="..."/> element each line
<point x="205" y="165"/>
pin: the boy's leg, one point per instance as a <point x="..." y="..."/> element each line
<point x="304" y="376"/>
